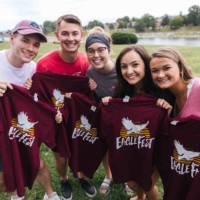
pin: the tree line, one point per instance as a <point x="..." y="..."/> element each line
<point x="140" y="24"/>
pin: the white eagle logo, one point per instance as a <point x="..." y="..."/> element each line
<point x="23" y="122"/>
<point x="131" y="127"/>
<point x="36" y="97"/>
<point x="58" y="96"/>
<point x="188" y="155"/>
<point x="85" y="123"/>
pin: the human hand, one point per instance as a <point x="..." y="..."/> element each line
<point x="164" y="104"/>
<point x="105" y="100"/>
<point x="4" y="86"/>
<point x="92" y="84"/>
<point x="28" y="83"/>
<point x="58" y="117"/>
<point x="68" y="95"/>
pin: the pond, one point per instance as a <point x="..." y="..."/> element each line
<point x="169" y="41"/>
<point x="157" y="41"/>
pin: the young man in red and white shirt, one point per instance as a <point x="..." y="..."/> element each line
<point x="68" y="60"/>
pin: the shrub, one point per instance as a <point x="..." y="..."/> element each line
<point x="124" y="38"/>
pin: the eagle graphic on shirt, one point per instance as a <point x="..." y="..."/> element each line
<point x="23" y="124"/>
<point x="58" y="98"/>
<point x="133" y="129"/>
<point x="85" y="126"/>
<point x="184" y="155"/>
<point x="35" y="97"/>
<point x="85" y="123"/>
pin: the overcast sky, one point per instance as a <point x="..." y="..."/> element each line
<point x="13" y="11"/>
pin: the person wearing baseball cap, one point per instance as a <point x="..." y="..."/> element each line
<point x="26" y="27"/>
<point x="17" y="67"/>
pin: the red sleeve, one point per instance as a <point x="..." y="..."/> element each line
<point x="40" y="67"/>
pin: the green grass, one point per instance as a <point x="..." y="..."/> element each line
<point x="37" y="193"/>
<point x="191" y="55"/>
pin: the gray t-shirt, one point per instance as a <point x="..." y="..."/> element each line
<point x="106" y="83"/>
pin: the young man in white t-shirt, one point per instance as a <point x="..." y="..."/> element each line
<point x="17" y="67"/>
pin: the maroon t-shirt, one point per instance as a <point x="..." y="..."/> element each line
<point x="50" y="88"/>
<point x="1" y="123"/>
<point x="183" y="159"/>
<point x="131" y="129"/>
<point x="87" y="148"/>
<point x="27" y="124"/>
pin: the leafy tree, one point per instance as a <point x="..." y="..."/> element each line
<point x="176" y="22"/>
<point x="54" y="25"/>
<point x="125" y="19"/>
<point x="111" y="26"/>
<point x="193" y="15"/>
<point x="129" y="25"/>
<point x="48" y="27"/>
<point x="121" y="25"/>
<point x="185" y="20"/>
<point x="165" y="21"/>
<point x="198" y="19"/>
<point x="134" y="19"/>
<point x="94" y="23"/>
<point x="149" y="20"/>
<point x="140" y="25"/>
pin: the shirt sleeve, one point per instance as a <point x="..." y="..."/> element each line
<point x="40" y="67"/>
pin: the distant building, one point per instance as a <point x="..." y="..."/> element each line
<point x="116" y="25"/>
<point x="158" y="23"/>
<point x="133" y="24"/>
<point x="106" y="27"/>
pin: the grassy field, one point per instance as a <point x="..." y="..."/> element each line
<point x="192" y="55"/>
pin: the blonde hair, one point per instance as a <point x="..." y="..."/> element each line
<point x="175" y="55"/>
<point x="98" y="30"/>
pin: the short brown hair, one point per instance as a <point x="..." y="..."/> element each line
<point x="70" y="19"/>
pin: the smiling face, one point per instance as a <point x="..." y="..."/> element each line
<point x="69" y="35"/>
<point x="133" y="69"/>
<point x="165" y="72"/>
<point x="98" y="55"/>
<point x="24" y="48"/>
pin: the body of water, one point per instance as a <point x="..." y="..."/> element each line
<point x="157" y="41"/>
<point x="169" y="41"/>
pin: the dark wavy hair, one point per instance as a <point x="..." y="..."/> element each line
<point x="123" y="88"/>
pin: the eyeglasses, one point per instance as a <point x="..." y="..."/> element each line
<point x="100" y="51"/>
